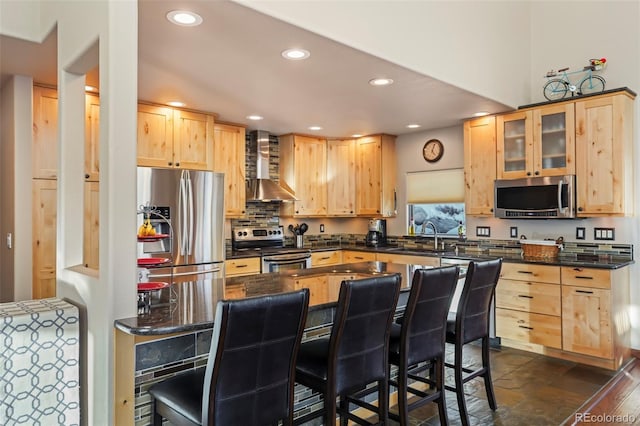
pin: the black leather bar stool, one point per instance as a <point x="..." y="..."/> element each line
<point x="249" y="377"/>
<point x="355" y="354"/>
<point x="420" y="337"/>
<point x="470" y="323"/>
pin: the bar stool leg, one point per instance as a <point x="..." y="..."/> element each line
<point x="438" y="366"/>
<point x="488" y="383"/>
<point x="462" y="406"/>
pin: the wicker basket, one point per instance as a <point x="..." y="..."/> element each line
<point x="541" y="249"/>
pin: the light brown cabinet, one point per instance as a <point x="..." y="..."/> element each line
<point x="528" y="304"/>
<point x="91" y="231"/>
<point x="349" y="256"/>
<point x="92" y="139"/>
<point x="303" y="169"/>
<point x="326" y="258"/>
<point x="341" y="177"/>
<point x="45" y="133"/>
<point x="479" y="165"/>
<point x="174" y="138"/>
<point x="229" y="158"/>
<point x="408" y="259"/>
<point x="376" y="176"/>
<point x="244" y="266"/>
<point x="604" y="154"/>
<point x="45" y="203"/>
<point x="536" y="142"/>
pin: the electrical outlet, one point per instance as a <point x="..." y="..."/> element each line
<point x="322" y="227"/>
<point x="580" y="233"/>
<point x="604" y="233"/>
<point x="513" y="231"/>
<point x="483" y="231"/>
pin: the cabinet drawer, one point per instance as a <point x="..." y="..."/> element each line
<point x="525" y="296"/>
<point x="527" y="327"/>
<point x="358" y="256"/>
<point x="325" y="258"/>
<point x="246" y="266"/>
<point x="408" y="259"/>
<point x="584" y="277"/>
<point x="531" y="272"/>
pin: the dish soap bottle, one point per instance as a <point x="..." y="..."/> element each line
<point x="412" y="229"/>
<point x="461" y="231"/>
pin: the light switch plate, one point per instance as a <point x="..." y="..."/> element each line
<point x="321" y="227"/>
<point x="580" y="233"/>
<point x="513" y="231"/>
<point x="604" y="234"/>
<point x="483" y="231"/>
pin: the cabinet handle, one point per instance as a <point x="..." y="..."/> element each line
<point x="325" y="258"/>
<point x="584" y="291"/>
<point x="241" y="266"/>
<point x="177" y="164"/>
<point x="582" y="277"/>
<point x="525" y="327"/>
<point x="86" y="176"/>
<point x="528" y="173"/>
<point x="525" y="272"/>
<point x="170" y="163"/>
<point x="579" y="209"/>
<point x="358" y="257"/>
<point x="525" y="296"/>
<point x="537" y="173"/>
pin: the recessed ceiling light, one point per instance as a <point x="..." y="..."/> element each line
<point x="255" y="117"/>
<point x="90" y="89"/>
<point x="184" y="18"/>
<point x="481" y="114"/>
<point x="176" y="104"/>
<point x="295" y="54"/>
<point x="380" y="82"/>
<point x="357" y="135"/>
<point x="315" y="128"/>
<point x="413" y="126"/>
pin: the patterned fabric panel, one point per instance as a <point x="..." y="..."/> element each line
<point x="39" y="363"/>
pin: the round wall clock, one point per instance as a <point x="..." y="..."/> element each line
<point x="432" y="150"/>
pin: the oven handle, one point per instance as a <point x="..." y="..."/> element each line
<point x="281" y="260"/>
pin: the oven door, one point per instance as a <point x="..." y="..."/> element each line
<point x="281" y="262"/>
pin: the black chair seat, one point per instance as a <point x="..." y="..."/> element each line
<point x="187" y="402"/>
<point x="313" y="358"/>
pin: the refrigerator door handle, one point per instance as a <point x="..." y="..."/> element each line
<point x="182" y="206"/>
<point x="190" y="219"/>
<point x="182" y="274"/>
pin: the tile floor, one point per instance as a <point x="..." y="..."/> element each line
<point x="530" y="389"/>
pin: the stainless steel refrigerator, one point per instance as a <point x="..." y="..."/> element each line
<point x="188" y="207"/>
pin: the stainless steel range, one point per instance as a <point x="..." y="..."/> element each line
<point x="268" y="243"/>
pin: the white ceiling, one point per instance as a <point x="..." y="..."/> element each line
<point x="231" y="65"/>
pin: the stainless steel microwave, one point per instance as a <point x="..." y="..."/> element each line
<point x="551" y="197"/>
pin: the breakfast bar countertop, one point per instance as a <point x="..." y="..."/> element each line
<point x="195" y="302"/>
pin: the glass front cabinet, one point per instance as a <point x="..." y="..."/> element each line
<point x="536" y="142"/>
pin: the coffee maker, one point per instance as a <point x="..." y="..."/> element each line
<point x="377" y="235"/>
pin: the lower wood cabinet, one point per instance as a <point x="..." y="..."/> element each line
<point x="326" y="258"/>
<point x="408" y="259"/>
<point x="44" y="196"/>
<point x="91" y="232"/>
<point x="528" y="327"/>
<point x="243" y="266"/>
<point x="586" y="324"/>
<point x="357" y="256"/>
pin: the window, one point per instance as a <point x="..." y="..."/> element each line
<point x="436" y="197"/>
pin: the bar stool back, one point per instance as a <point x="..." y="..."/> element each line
<point x="355" y="354"/>
<point x="249" y="377"/>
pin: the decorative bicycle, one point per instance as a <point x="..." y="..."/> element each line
<point x="557" y="88"/>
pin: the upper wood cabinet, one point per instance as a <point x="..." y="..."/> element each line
<point x="45" y="133"/>
<point x="173" y="138"/>
<point x="341" y="177"/>
<point x="92" y="139"/>
<point x="479" y="165"/>
<point x="91" y="231"/>
<point x="376" y="176"/>
<point x="536" y="142"/>
<point x="229" y="158"/>
<point x="303" y="169"/>
<point x="604" y="155"/>
<point x="45" y="204"/>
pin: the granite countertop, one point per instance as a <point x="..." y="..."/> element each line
<point x="568" y="259"/>
<point x="195" y="301"/>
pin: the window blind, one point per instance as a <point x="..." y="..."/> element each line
<point x="437" y="186"/>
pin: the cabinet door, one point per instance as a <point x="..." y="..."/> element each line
<point x="45" y="133"/>
<point x="92" y="139"/>
<point x="44" y="238"/>
<point x="604" y="156"/>
<point x="325" y="258"/>
<point x="90" y="246"/>
<point x="479" y="165"/>
<point x="341" y="177"/>
<point x="553" y="140"/>
<point x="310" y="169"/>
<point x="155" y="136"/>
<point x="193" y="140"/>
<point x="515" y="145"/>
<point x="369" y="176"/>
<point x="586" y="324"/>
<point x="357" y="256"/>
<point x="229" y="158"/>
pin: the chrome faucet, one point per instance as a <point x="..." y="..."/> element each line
<point x="435" y="233"/>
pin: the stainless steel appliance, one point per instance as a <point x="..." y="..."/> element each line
<point x="268" y="243"/>
<point x="377" y="235"/>
<point x="189" y="208"/>
<point x="536" y="198"/>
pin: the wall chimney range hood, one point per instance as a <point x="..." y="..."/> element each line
<point x="262" y="188"/>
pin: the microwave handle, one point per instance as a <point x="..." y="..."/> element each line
<point x="560" y="207"/>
